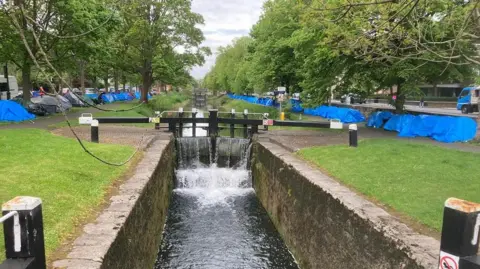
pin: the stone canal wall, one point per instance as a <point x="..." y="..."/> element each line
<point x="128" y="233"/>
<point x="326" y="225"/>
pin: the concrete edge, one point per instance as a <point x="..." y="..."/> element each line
<point x="90" y="248"/>
<point x="423" y="249"/>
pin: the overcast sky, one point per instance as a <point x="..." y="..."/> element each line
<point x="224" y="21"/>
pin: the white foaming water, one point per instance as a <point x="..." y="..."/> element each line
<point x="212" y="185"/>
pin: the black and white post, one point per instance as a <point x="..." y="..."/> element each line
<point x="353" y="135"/>
<point x="94" y="136"/>
<point x="460" y="232"/>
<point x="245" y="127"/>
<point x="232" y="126"/>
<point x="23" y="230"/>
<point x="194" y="124"/>
<point x="180" y="125"/>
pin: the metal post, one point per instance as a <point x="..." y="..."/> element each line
<point x="245" y="127"/>
<point x="180" y="125"/>
<point x="194" y="124"/>
<point x="94" y="134"/>
<point x="213" y="130"/>
<point x="232" y="126"/>
<point x="171" y="127"/>
<point x="24" y="240"/>
<point x="460" y="230"/>
<point x="213" y="122"/>
<point x="353" y="135"/>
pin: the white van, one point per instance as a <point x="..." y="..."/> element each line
<point x="12" y="81"/>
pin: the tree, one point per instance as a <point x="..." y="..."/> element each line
<point x="55" y="24"/>
<point x="273" y="60"/>
<point x="154" y="29"/>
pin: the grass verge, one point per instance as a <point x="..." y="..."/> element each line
<point x="70" y="183"/>
<point x="411" y="178"/>
<point x="162" y="102"/>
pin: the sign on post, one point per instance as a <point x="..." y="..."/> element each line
<point x="448" y="261"/>
<point x="268" y="122"/>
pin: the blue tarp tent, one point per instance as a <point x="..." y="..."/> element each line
<point x="108" y="98"/>
<point x="296" y="106"/>
<point x="11" y="111"/>
<point x="441" y="128"/>
<point x="345" y="115"/>
<point x="92" y="95"/>
<point x="377" y="119"/>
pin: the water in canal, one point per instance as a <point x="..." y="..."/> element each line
<point x="215" y="219"/>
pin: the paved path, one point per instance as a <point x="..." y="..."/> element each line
<point x="298" y="139"/>
<point x="427" y="110"/>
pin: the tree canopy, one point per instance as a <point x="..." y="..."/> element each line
<point x="143" y="41"/>
<point x="319" y="47"/>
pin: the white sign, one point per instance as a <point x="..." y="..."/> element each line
<point x="448" y="261"/>
<point x="280" y="98"/>
<point x="282" y="89"/>
<point x="267" y="122"/>
<point x="85" y="118"/>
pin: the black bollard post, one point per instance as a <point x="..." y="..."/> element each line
<point x="232" y="126"/>
<point x="265" y="117"/>
<point x="353" y="135"/>
<point x="23" y="231"/>
<point x="94" y="134"/>
<point x="180" y="125"/>
<point x="245" y="127"/>
<point x="459" y="242"/>
<point x="194" y="124"/>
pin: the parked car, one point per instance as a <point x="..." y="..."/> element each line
<point x="354" y="98"/>
<point x="468" y="100"/>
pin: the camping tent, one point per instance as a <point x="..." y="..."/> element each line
<point x="74" y="100"/>
<point x="63" y="103"/>
<point x="44" y="105"/>
<point x="11" y="111"/>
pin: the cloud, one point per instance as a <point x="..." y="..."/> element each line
<point x="225" y="20"/>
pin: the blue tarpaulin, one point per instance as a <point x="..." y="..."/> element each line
<point x="296" y="106"/>
<point x="345" y="115"/>
<point x="108" y="98"/>
<point x="92" y="95"/>
<point x="441" y="128"/>
<point x="11" y="111"/>
<point x="377" y="119"/>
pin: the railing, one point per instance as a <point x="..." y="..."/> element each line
<point x="23" y="232"/>
<point x="250" y="126"/>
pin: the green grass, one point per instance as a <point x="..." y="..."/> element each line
<point x="70" y="183"/>
<point x="413" y="179"/>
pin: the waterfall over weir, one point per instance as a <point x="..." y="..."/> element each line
<point x="215" y="219"/>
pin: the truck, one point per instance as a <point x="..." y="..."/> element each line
<point x="12" y="81"/>
<point x="468" y="100"/>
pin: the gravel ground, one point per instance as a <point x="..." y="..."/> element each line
<point x="113" y="134"/>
